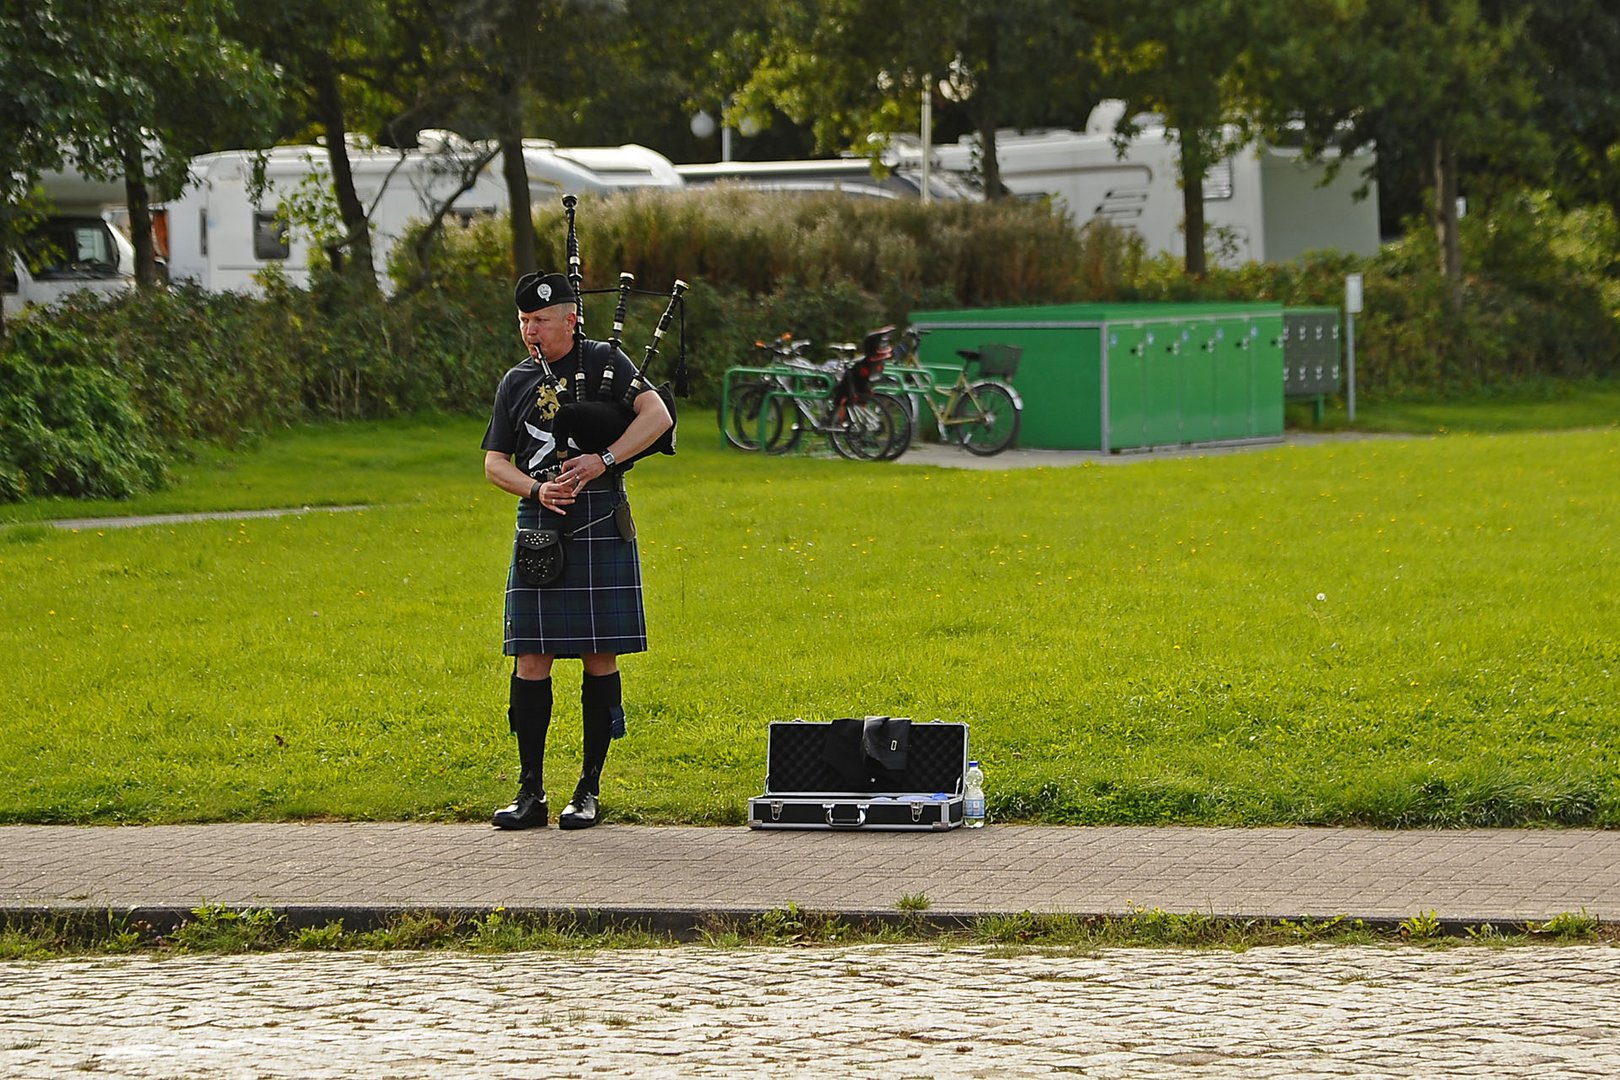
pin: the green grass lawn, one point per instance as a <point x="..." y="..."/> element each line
<point x="1395" y="631"/>
<point x="1539" y="406"/>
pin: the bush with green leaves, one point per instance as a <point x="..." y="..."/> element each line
<point x="1541" y="300"/>
<point x="825" y="267"/>
<point x="70" y="426"/>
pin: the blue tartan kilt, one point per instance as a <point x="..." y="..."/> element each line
<point x="595" y="607"/>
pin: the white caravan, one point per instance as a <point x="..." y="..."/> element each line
<point x="850" y="175"/>
<point x="73" y="248"/>
<point x="557" y="171"/>
<point x="1263" y="204"/>
<point x="221" y="237"/>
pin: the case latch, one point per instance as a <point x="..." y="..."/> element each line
<point x="776" y="809"/>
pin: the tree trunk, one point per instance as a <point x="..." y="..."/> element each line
<point x="1444" y="169"/>
<point x="516" y="173"/>
<point x="357" y="239"/>
<point x="989" y="115"/>
<point x="1445" y="222"/>
<point x="1193" y="168"/>
<point x="138" y="201"/>
<point x="990" y="167"/>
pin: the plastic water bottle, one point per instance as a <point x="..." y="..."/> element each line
<point x="973" y="797"/>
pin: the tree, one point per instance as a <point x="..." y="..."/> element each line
<point x="1187" y="61"/>
<point x="479" y="67"/>
<point x="1437" y="83"/>
<point x="1571" y="50"/>
<point x="151" y="120"/>
<point x="852" y="68"/>
<point x="644" y="73"/>
<point x="329" y="53"/>
<point x="48" y="77"/>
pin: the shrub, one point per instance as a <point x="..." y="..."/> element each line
<point x="1536" y="303"/>
<point x="161" y="368"/>
<point x="70" y="427"/>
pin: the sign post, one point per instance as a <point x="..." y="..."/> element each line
<point x="927" y="134"/>
<point x="1352" y="305"/>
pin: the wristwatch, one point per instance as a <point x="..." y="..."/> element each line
<point x="608" y="460"/>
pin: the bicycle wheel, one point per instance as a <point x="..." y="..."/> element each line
<point x="785" y="427"/>
<point x="866" y="431"/>
<point x="736" y="414"/>
<point x="986" y="418"/>
<point x="905" y="428"/>
<point x="742" y="427"/>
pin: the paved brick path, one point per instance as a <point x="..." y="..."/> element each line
<point x="1473" y="876"/>
<point x="877" y="1011"/>
<point x="138" y="521"/>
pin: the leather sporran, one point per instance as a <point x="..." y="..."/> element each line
<point x="541" y="556"/>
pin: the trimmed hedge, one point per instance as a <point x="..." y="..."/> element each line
<point x="1541" y="299"/>
<point x="95" y="393"/>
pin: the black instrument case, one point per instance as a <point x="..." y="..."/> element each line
<point x="868" y="773"/>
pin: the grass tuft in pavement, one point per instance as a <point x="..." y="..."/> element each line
<point x="217" y="930"/>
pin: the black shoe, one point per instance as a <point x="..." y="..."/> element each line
<point x="528" y="811"/>
<point x="581" y="813"/>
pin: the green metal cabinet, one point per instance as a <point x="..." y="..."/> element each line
<point x="1130" y="376"/>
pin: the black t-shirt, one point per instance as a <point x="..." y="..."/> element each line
<point x="516" y="426"/>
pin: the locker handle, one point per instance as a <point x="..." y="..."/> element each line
<point x="845" y="823"/>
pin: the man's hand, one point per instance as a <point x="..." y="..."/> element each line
<point x="556" y="494"/>
<point x="581" y="469"/>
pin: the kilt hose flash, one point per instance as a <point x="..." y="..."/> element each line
<point x="595" y="607"/>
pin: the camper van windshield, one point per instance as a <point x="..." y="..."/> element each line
<point x="71" y="247"/>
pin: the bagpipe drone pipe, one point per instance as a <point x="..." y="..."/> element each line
<point x="602" y="413"/>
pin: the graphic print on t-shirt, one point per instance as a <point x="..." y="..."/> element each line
<point x="547" y="441"/>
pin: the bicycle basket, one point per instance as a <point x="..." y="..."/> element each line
<point x="1000" y="361"/>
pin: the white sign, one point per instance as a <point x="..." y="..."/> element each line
<point x="1352" y="293"/>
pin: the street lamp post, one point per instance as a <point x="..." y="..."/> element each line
<point x="705" y="125"/>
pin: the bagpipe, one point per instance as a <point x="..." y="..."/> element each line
<point x="599" y="415"/>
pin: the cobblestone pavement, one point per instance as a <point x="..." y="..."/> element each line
<point x="871" y="1011"/>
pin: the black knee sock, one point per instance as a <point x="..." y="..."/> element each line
<point x="529" y="717"/>
<point x="600" y="708"/>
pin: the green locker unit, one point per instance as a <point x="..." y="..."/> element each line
<point x="1118" y="376"/>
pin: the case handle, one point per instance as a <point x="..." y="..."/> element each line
<point x="845" y="823"/>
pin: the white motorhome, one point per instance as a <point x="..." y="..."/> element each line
<point x="597" y="169"/>
<point x="74" y="247"/>
<point x="1263" y="204"/>
<point x="850" y="175"/>
<point x="221" y="236"/>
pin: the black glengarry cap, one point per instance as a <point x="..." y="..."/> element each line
<point x="536" y="291"/>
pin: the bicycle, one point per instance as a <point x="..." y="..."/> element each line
<point x="979" y="409"/>
<point x="740" y="404"/>
<point x="835" y="400"/>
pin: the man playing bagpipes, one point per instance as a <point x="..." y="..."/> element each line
<point x="567" y="422"/>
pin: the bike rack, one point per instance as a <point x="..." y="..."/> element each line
<point x="775" y="371"/>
